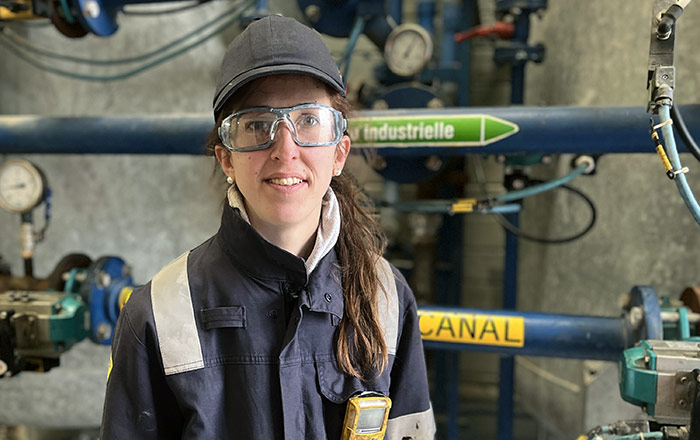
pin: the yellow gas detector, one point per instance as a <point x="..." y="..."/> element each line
<point x="366" y="416"/>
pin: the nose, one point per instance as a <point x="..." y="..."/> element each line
<point x="283" y="146"/>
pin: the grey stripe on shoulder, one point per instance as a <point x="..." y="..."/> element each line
<point x="416" y="426"/>
<point x="174" y="317"/>
<point x="388" y="305"/>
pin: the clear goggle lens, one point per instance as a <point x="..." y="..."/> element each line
<point x="312" y="125"/>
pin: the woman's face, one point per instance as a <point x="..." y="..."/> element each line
<point x="284" y="184"/>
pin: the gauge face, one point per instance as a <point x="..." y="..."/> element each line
<point x="21" y="186"/>
<point x="408" y="49"/>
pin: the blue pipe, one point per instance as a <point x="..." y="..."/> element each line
<point x="510" y="280"/>
<point x="426" y="15"/>
<point x="395" y="10"/>
<point x="522" y="32"/>
<point x="450" y="25"/>
<point x="543" y="187"/>
<point x="506" y="385"/>
<point x="584" y="130"/>
<point x="510" y="270"/>
<point x="464" y="56"/>
<point x="446" y="207"/>
<point x="506" y="390"/>
<point x="448" y="285"/>
<point x="549" y="335"/>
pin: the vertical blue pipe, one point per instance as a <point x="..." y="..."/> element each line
<point x="451" y="15"/>
<point x="522" y="31"/>
<point x="448" y="285"/>
<point x="426" y="15"/>
<point x="510" y="296"/>
<point x="451" y="224"/>
<point x="464" y="55"/>
<point x="396" y="10"/>
<point x="510" y="279"/>
<point x="510" y="276"/>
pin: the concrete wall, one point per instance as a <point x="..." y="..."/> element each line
<point x="597" y="56"/>
<point x="149" y="209"/>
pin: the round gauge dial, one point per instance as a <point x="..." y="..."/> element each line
<point x="21" y="186"/>
<point x="408" y="49"/>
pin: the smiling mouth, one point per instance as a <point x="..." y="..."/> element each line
<point x="287" y="181"/>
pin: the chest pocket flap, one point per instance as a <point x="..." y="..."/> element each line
<point x="338" y="387"/>
<point x="222" y="317"/>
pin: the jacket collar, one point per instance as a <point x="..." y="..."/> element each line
<point x="319" y="277"/>
<point x="257" y="256"/>
<point x="326" y="234"/>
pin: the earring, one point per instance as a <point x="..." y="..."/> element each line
<point x="337" y="172"/>
<point x="229" y="179"/>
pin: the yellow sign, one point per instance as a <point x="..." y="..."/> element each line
<point x="469" y="328"/>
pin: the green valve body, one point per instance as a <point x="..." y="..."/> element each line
<point x="658" y="376"/>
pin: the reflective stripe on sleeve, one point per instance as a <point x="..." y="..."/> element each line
<point x="388" y="302"/>
<point x="174" y="318"/>
<point x="416" y="426"/>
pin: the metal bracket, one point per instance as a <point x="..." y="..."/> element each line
<point x="661" y="85"/>
<point x="661" y="73"/>
<point x="518" y="53"/>
<point x="505" y="6"/>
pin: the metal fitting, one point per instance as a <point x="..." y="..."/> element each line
<point x="104" y="330"/>
<point x="103" y="279"/>
<point x="585" y="160"/>
<point x="313" y="13"/>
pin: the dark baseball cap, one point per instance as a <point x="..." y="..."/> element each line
<point x="273" y="45"/>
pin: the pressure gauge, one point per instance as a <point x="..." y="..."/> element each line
<point x="21" y="186"/>
<point x="408" y="49"/>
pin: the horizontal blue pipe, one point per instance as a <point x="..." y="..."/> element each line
<point x="550" y="335"/>
<point x="545" y="130"/>
<point x="161" y="134"/>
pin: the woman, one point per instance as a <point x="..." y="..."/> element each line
<point x="268" y="328"/>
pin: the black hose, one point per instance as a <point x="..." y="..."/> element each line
<point x="682" y="130"/>
<point x="543" y="240"/>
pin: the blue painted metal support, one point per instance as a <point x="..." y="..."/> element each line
<point x="426" y="15"/>
<point x="546" y="130"/>
<point x="395" y="10"/>
<point x="548" y="335"/>
<point x="510" y="276"/>
<point x="510" y="302"/>
<point x="448" y="286"/>
<point x="506" y="388"/>
<point x="517" y="78"/>
<point x="451" y="22"/>
<point x="451" y="232"/>
<point x="464" y="55"/>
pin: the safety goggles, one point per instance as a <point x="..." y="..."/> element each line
<point x="312" y="125"/>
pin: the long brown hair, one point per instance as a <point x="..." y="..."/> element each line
<point x="361" y="348"/>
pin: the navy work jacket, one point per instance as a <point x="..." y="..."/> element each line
<point x="204" y="351"/>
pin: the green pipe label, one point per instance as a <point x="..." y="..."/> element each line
<point x="448" y="130"/>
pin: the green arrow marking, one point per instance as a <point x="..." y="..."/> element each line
<point x="447" y="130"/>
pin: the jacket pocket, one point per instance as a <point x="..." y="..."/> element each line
<point x="338" y="387"/>
<point x="220" y="317"/>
